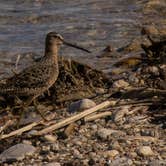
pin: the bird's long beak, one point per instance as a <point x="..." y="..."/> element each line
<point x="75" y="46"/>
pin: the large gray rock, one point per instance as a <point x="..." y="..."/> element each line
<point x="16" y="152"/>
<point x="81" y="105"/>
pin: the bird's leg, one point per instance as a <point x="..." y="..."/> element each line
<point x="18" y="100"/>
<point x="27" y="103"/>
<point x="23" y="106"/>
<point x="40" y="112"/>
<point x="32" y="99"/>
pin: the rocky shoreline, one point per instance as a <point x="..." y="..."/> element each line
<point x="132" y="132"/>
<point x="124" y="135"/>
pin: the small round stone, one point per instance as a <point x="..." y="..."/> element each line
<point x="120" y="84"/>
<point x="145" y="151"/>
<point x="104" y="133"/>
<point x="50" y="138"/>
<point x="53" y="164"/>
<point x="81" y="105"/>
<point x="111" y="153"/>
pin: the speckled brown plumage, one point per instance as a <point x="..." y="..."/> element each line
<point x="39" y="77"/>
<point x="36" y="79"/>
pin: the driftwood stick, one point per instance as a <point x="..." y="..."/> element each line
<point x="19" y="131"/>
<point x="97" y="116"/>
<point x="75" y="117"/>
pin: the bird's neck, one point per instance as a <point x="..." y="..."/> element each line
<point x="51" y="52"/>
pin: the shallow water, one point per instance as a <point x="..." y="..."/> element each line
<point x="91" y="23"/>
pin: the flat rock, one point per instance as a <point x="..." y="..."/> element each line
<point x="145" y="151"/>
<point x="16" y="152"/>
<point x="81" y="105"/>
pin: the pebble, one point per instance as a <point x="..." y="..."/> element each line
<point x="120" y="84"/>
<point x="118" y="115"/>
<point x="31" y="133"/>
<point x="115" y="145"/>
<point x="70" y="129"/>
<point x="27" y="142"/>
<point x="50" y="138"/>
<point x="52" y="164"/>
<point x="94" y="127"/>
<point x="147" y="132"/>
<point x="55" y="147"/>
<point x="115" y="72"/>
<point x="133" y="79"/>
<point x="30" y="116"/>
<point x="81" y="105"/>
<point x="153" y="70"/>
<point x="121" y="161"/>
<point x="100" y="90"/>
<point x="77" y="154"/>
<point x="111" y="153"/>
<point x="157" y="162"/>
<point x="133" y="154"/>
<point x="104" y="133"/>
<point x="145" y="151"/>
<point x="17" y="152"/>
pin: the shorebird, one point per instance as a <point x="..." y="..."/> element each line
<point x="39" y="77"/>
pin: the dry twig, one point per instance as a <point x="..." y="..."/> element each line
<point x="97" y="116"/>
<point x="20" y="131"/>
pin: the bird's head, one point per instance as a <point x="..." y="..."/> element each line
<point x="55" y="39"/>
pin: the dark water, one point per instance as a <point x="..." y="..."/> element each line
<point x="91" y="23"/>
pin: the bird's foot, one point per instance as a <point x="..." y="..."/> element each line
<point x="41" y="113"/>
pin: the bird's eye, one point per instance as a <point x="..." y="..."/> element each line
<point x="59" y="37"/>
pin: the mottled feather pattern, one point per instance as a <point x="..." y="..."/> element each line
<point x="39" y="77"/>
<point x="36" y="78"/>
